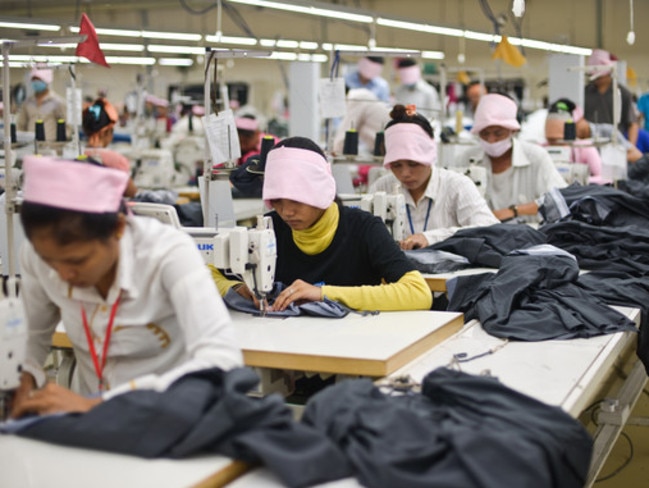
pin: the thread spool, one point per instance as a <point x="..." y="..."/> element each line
<point x="350" y="145"/>
<point x="267" y="143"/>
<point x="39" y="130"/>
<point x="60" y="130"/>
<point x="190" y="123"/>
<point x="14" y="138"/>
<point x="379" y="144"/>
<point x="569" y="131"/>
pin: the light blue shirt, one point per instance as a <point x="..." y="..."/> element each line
<point x="379" y="86"/>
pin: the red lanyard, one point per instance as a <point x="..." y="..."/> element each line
<point x="99" y="369"/>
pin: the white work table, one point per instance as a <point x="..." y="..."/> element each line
<point x="371" y="345"/>
<point x="562" y="373"/>
<point x="25" y="463"/>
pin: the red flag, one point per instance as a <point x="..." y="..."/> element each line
<point x="89" y="48"/>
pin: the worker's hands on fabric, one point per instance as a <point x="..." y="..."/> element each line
<point x="415" y="241"/>
<point x="52" y="398"/>
<point x="299" y="291"/>
<point x="246" y="293"/>
<point x="504" y="214"/>
<point x="27" y="384"/>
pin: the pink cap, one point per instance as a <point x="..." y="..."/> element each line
<point x="157" y="101"/>
<point x="410" y="74"/>
<point x="298" y="174"/>
<point x="369" y="69"/>
<point x="198" y="110"/>
<point x="110" y="159"/>
<point x="45" y="74"/>
<point x="408" y="141"/>
<point x="495" y="109"/>
<point x="599" y="57"/>
<point x="245" y="123"/>
<point x="73" y="185"/>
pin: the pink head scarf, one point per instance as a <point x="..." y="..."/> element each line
<point x="410" y="142"/>
<point x="495" y="109"/>
<point x="298" y="174"/>
<point x="73" y="185"/>
<point x="369" y="69"/>
<point x="45" y="74"/>
<point x="246" y="123"/>
<point x="599" y="57"/>
<point x="410" y="75"/>
<point x="110" y="159"/>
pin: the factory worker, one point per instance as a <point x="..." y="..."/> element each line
<point x="137" y="302"/>
<point x="329" y="250"/>
<point x="581" y="151"/>
<point x="518" y="172"/>
<point x="368" y="75"/>
<point x="43" y="105"/>
<point x="250" y="136"/>
<point x="438" y="201"/>
<point x="98" y="121"/>
<point x="413" y="90"/>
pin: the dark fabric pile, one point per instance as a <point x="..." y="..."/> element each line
<point x="534" y="297"/>
<point x="462" y="431"/>
<point x="428" y="260"/>
<point x="485" y="246"/>
<point x="203" y="412"/>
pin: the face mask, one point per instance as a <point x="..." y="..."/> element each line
<point x="495" y="149"/>
<point x="39" y="86"/>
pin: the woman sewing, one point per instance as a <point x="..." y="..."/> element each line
<point x="133" y="294"/>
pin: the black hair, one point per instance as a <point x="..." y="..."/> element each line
<point x="67" y="226"/>
<point x="406" y="62"/>
<point x="300" y="143"/>
<point x="399" y="116"/>
<point x="95" y="117"/>
<point x="562" y="105"/>
<point x="376" y="59"/>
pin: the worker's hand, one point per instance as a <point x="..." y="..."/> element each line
<point x="52" y="398"/>
<point x="504" y="214"/>
<point x="415" y="241"/>
<point x="27" y="384"/>
<point x="243" y="290"/>
<point x="299" y="291"/>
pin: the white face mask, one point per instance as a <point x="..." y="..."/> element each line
<point x="496" y="149"/>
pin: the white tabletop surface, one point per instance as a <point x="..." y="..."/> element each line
<point x="25" y="463"/>
<point x="372" y="338"/>
<point x="563" y="373"/>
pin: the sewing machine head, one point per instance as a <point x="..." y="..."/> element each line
<point x="391" y="209"/>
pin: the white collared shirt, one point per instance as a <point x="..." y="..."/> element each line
<point x="533" y="174"/>
<point x="454" y="203"/>
<point x="171" y="319"/>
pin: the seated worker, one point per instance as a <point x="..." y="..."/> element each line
<point x="580" y="151"/>
<point x="438" y="201"/>
<point x="250" y="137"/>
<point x="368" y="75"/>
<point x="328" y="250"/>
<point x="518" y="172"/>
<point x="44" y="104"/>
<point x="137" y="302"/>
<point x="98" y="121"/>
<point x="590" y="130"/>
<point x="364" y="113"/>
<point x="416" y="91"/>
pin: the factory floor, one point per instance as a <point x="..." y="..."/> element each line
<point x="627" y="466"/>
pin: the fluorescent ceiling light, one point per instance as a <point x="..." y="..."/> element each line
<point x="243" y="41"/>
<point x="481" y="36"/>
<point x="308" y="45"/>
<point x="175" y="62"/>
<point x="412" y="26"/>
<point x="30" y="26"/>
<point x="311" y="8"/>
<point x="106" y="46"/>
<point x="173" y="36"/>
<point x="112" y="32"/>
<point x="432" y="55"/>
<point x="158" y="48"/>
<point x="327" y="46"/>
<point x="130" y="60"/>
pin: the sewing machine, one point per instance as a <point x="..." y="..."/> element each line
<point x="155" y="169"/>
<point x="571" y="172"/>
<point x="13" y="341"/>
<point x="475" y="172"/>
<point x="391" y="209"/>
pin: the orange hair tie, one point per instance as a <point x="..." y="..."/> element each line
<point x="411" y="110"/>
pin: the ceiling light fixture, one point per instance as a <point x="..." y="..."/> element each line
<point x="242" y="41"/>
<point x="164" y="49"/>
<point x="8" y="24"/>
<point x="312" y="8"/>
